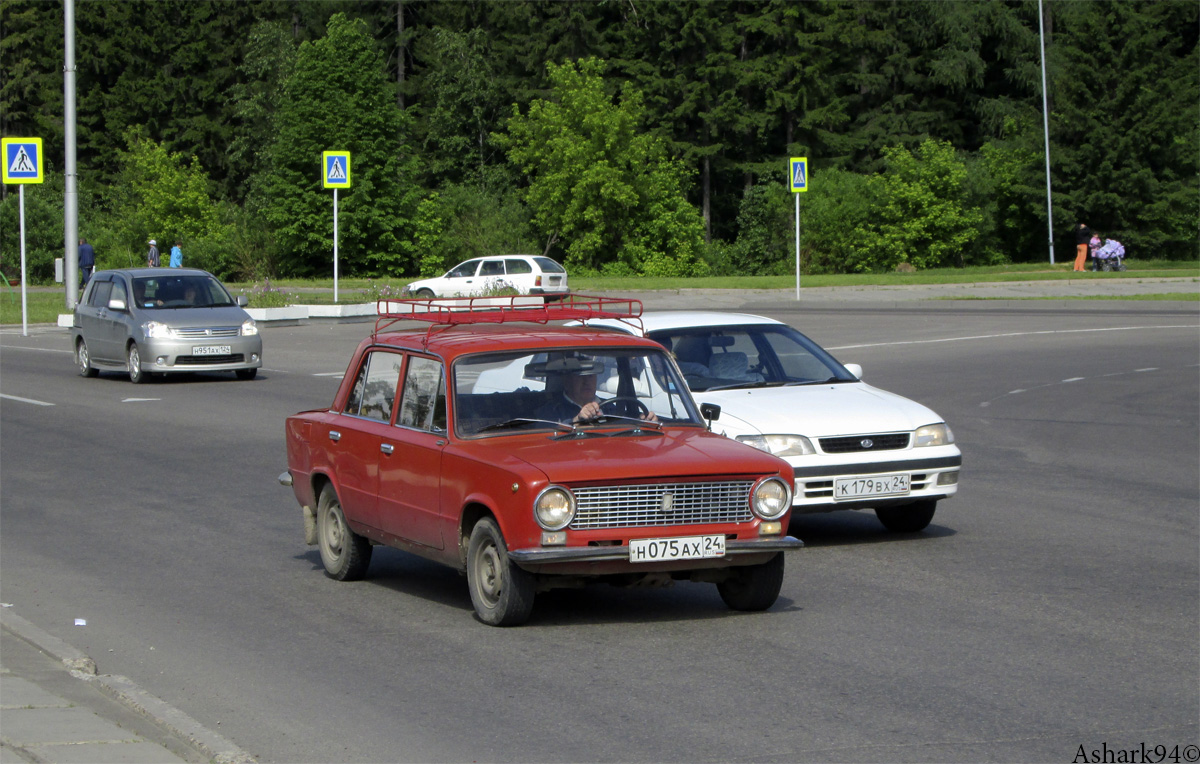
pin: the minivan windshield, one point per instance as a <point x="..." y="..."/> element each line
<point x="183" y="291"/>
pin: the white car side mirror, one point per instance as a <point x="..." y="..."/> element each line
<point x="854" y="369"/>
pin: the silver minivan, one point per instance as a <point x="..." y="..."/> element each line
<point x="163" y="320"/>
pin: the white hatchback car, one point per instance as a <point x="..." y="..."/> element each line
<point x="527" y="274"/>
<point x="853" y="446"/>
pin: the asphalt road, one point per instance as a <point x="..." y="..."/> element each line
<point x="1054" y="604"/>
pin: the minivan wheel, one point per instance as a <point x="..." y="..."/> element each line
<point x="84" y="359"/>
<point x="133" y="360"/>
<point x="246" y="373"/>
<point x="501" y="592"/>
<point x="425" y="294"/>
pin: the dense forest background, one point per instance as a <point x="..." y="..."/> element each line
<point x="619" y="136"/>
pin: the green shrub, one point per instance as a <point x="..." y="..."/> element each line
<point x="266" y="296"/>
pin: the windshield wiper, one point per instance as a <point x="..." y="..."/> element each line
<point x="829" y="381"/>
<point x="738" y="385"/>
<point x="522" y="421"/>
<point x="638" y="431"/>
<point x="621" y="418"/>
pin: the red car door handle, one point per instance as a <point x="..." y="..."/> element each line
<point x="334" y="435"/>
<point x="387" y="448"/>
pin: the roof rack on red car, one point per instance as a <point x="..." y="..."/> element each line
<point x="451" y="311"/>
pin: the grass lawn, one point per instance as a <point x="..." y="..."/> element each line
<point x="46" y="303"/>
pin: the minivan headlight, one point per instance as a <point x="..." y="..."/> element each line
<point x="772" y="498"/>
<point x="157" y="330"/>
<point x="780" y="445"/>
<point x="554" y="508"/>
<point x="249" y="327"/>
<point x="933" y="435"/>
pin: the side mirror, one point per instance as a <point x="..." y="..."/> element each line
<point x="116" y="303"/>
<point x="242" y="301"/>
<point x="711" y="412"/>
<point x="854" y="369"/>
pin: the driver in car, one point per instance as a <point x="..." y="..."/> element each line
<point x="578" y="401"/>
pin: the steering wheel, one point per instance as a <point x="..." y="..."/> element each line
<point x="626" y="402"/>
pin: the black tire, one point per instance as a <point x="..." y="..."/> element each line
<point x="425" y="294"/>
<point x="84" y="359"/>
<point x="344" y="553"/>
<point x="501" y="592"/>
<point x="133" y="362"/>
<point x="910" y="518"/>
<point x="246" y="374"/>
<point x="753" y="587"/>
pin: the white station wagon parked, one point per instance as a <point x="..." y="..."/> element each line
<point x="853" y="446"/>
<point x="527" y="274"/>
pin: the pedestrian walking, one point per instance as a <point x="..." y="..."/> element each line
<point x="87" y="262"/>
<point x="152" y="258"/>
<point x="1083" y="235"/>
<point x="177" y="254"/>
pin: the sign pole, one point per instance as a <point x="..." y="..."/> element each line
<point x="797" y="245"/>
<point x="335" y="174"/>
<point x="21" y="163"/>
<point x="24" y="304"/>
<point x="798" y="175"/>
<point x="335" y="246"/>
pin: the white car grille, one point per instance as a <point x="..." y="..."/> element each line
<point x="855" y="443"/>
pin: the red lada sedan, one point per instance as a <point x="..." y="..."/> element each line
<point x="532" y="457"/>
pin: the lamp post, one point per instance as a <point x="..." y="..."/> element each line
<point x="1046" y="128"/>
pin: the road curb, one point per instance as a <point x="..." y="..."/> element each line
<point x="171" y="720"/>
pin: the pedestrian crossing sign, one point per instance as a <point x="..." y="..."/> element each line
<point x="336" y="169"/>
<point x="799" y="174"/>
<point x="22" y="160"/>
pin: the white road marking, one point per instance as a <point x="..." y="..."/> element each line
<point x="985" y="404"/>
<point x="139" y="400"/>
<point x="1014" y="334"/>
<point x="25" y="400"/>
<point x="43" y="350"/>
<point x="330" y="374"/>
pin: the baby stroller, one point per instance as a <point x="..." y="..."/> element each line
<point x="1111" y="256"/>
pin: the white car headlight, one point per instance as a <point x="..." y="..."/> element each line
<point x="554" y="508"/>
<point x="772" y="498"/>
<point x="780" y="445"/>
<point x="158" y="331"/>
<point x="933" y="435"/>
<point x="249" y="327"/>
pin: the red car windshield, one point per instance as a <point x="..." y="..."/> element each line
<point x="526" y="390"/>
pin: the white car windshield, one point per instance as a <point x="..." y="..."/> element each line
<point x="498" y="393"/>
<point x="757" y="355"/>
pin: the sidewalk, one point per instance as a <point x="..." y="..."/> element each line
<point x="55" y="709"/>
